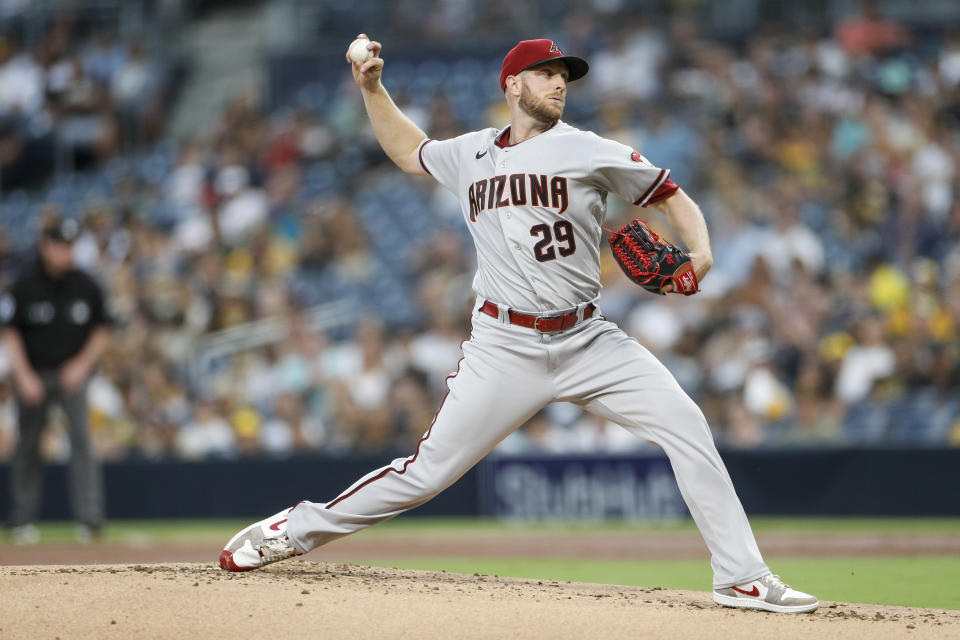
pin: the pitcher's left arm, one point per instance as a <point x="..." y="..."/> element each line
<point x="687" y="220"/>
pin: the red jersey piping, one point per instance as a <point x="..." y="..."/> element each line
<point x="505" y="134"/>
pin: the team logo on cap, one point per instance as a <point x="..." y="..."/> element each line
<point x="554" y="48"/>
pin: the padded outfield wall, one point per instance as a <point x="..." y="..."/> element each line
<point x="876" y="482"/>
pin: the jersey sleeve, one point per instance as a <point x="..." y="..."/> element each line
<point x="441" y="159"/>
<point x="99" y="316"/>
<point x="11" y="308"/>
<point x="621" y="170"/>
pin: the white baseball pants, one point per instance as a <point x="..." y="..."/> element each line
<point x="507" y="374"/>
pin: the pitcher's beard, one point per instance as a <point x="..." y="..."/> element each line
<point x="539" y="111"/>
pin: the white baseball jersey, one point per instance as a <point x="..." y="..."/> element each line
<point x="534" y="209"/>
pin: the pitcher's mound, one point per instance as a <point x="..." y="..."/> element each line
<point x="320" y="600"/>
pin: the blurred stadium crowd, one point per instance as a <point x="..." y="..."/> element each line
<point x="68" y="102"/>
<point x="824" y="159"/>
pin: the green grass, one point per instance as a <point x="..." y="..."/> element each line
<point x="147" y="531"/>
<point x="467" y="526"/>
<point x="202" y="530"/>
<point x="907" y="581"/>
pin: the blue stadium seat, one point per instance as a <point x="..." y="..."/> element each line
<point x="866" y="423"/>
<point x="402" y="73"/>
<point x="910" y="419"/>
<point x="314" y="96"/>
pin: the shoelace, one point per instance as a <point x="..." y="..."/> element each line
<point x="775" y="580"/>
<point x="276" y="549"/>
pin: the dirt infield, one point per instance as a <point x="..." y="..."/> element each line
<point x="86" y="591"/>
<point x="323" y="600"/>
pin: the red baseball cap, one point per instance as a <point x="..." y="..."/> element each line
<point x="529" y="53"/>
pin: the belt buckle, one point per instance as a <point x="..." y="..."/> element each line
<point x="536" y="324"/>
<point x="561" y="318"/>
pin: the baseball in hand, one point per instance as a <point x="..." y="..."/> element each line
<point x="358" y="51"/>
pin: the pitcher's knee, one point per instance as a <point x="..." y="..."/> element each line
<point x="433" y="471"/>
<point x="689" y="418"/>
<point x="429" y="480"/>
<point x="431" y="486"/>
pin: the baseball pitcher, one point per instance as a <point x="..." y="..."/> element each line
<point x="533" y="195"/>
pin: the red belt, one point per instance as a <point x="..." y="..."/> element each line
<point x="540" y="323"/>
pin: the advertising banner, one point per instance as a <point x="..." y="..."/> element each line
<point x="580" y="488"/>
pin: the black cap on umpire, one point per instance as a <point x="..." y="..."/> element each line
<point x="61" y="230"/>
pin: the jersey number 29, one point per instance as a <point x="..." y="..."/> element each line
<point x="544" y="250"/>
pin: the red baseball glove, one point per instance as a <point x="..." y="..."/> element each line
<point x="651" y="262"/>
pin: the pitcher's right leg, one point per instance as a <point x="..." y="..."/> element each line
<point x="623" y="382"/>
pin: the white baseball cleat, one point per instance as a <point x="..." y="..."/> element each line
<point x="769" y="593"/>
<point x="260" y="544"/>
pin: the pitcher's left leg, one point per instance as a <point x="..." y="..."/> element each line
<point x="494" y="390"/>
<point x="501" y="381"/>
<point x="621" y="381"/>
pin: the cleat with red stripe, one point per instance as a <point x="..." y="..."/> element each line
<point x="769" y="593"/>
<point x="260" y="544"/>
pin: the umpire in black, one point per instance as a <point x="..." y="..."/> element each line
<point x="55" y="329"/>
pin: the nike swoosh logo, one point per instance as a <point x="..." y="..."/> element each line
<point x="480" y="155"/>
<point x="276" y="527"/>
<point x="754" y="593"/>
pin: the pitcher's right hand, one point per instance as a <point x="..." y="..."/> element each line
<point x="367" y="74"/>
